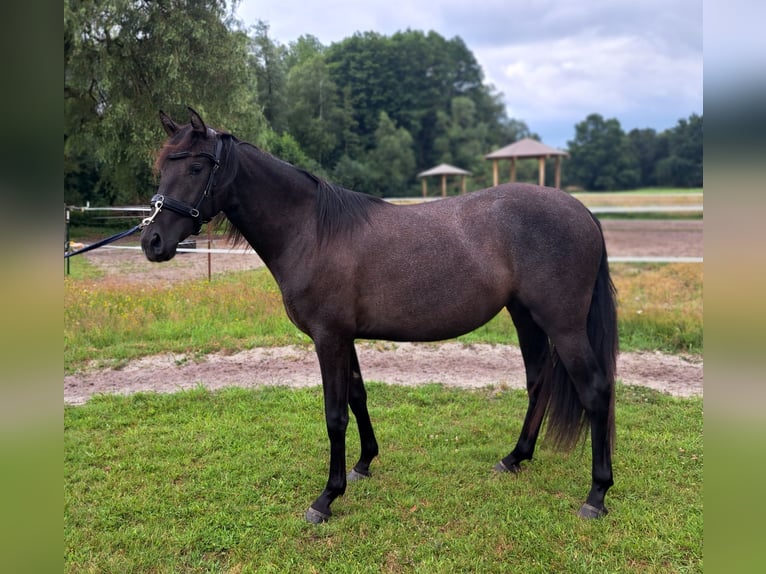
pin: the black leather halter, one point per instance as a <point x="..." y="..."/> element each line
<point x="160" y="202"/>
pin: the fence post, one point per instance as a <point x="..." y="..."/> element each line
<point x="209" y="255"/>
<point x="66" y="237"/>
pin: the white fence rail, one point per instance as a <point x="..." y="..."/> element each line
<point x="594" y="209"/>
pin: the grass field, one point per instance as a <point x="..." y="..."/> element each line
<point x="642" y="197"/>
<point x="660" y="308"/>
<point x="218" y="482"/>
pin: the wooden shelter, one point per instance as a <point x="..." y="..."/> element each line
<point x="526" y="149"/>
<point x="443" y="169"/>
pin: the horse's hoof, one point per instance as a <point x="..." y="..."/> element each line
<point x="590" y="511"/>
<point x="354" y="475"/>
<point x="315" y="517"/>
<point x="500" y="467"/>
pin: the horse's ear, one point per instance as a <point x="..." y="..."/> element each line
<point x="197" y="124"/>
<point x="170" y="126"/>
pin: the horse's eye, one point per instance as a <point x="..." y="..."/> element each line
<point x="195" y="168"/>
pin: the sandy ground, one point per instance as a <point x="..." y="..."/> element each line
<point x="449" y="363"/>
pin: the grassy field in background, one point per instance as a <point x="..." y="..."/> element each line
<point x="218" y="482"/>
<point x="641" y="197"/>
<point x="660" y="308"/>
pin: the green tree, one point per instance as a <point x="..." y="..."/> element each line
<point x="683" y="165"/>
<point x="126" y="59"/>
<point x="392" y="160"/>
<point x="601" y="157"/>
<point x="649" y="147"/>
<point x="462" y="139"/>
<point x="268" y="61"/>
<point x="414" y="78"/>
<point x="355" y="174"/>
<point x="315" y="116"/>
<point x="333" y="98"/>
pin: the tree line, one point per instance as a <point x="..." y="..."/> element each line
<point x="368" y="112"/>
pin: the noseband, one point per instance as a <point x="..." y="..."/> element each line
<point x="158" y="201"/>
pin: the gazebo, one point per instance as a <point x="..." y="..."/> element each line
<point x="443" y="169"/>
<point x="525" y="149"/>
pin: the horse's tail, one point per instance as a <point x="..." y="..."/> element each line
<point x="558" y="400"/>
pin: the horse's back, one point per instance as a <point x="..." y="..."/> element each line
<point x="519" y="222"/>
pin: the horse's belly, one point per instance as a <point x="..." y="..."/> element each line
<point x="431" y="284"/>
<point x="426" y="319"/>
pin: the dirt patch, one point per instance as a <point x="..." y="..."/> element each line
<point x="451" y="364"/>
<point x="651" y="237"/>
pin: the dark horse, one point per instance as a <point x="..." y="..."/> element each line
<point x="353" y="266"/>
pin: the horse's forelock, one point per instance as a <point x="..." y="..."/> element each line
<point x="181" y="141"/>
<point x="174" y="144"/>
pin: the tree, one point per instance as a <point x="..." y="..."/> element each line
<point x="355" y="174"/>
<point x="648" y="148"/>
<point x="392" y="161"/>
<point x="332" y="99"/>
<point x="414" y="77"/>
<point x="461" y="138"/>
<point x="683" y="165"/>
<point x="601" y="157"/>
<point x="267" y="59"/>
<point x="314" y="116"/>
<point x="126" y="59"/>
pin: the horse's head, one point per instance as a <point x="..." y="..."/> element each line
<point x="185" y="200"/>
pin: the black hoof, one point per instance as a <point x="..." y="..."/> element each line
<point x="315" y="517"/>
<point x="590" y="511"/>
<point x="500" y="467"/>
<point x="354" y="475"/>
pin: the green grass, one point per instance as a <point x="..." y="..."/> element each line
<point x="649" y="190"/>
<point x="218" y="482"/>
<point x="660" y="306"/>
<point x="641" y="197"/>
<point x="81" y="269"/>
<point x="655" y="197"/>
<point x="109" y="323"/>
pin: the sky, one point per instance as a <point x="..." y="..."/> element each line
<point x="554" y="61"/>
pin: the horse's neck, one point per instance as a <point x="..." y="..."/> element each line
<point x="274" y="207"/>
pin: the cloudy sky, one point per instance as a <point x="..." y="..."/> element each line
<point x="555" y="61"/>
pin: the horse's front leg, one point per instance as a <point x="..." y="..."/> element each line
<point x="335" y="364"/>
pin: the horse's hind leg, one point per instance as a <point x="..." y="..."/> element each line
<point x="358" y="401"/>
<point x="534" y="349"/>
<point x="596" y="397"/>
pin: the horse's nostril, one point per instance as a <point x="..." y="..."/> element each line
<point x="152" y="245"/>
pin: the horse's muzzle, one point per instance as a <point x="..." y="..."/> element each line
<point x="155" y="248"/>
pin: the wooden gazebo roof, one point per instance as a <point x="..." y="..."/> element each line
<point x="443" y="170"/>
<point x="525" y="149"/>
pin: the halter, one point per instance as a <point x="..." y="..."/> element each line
<point x="158" y="201"/>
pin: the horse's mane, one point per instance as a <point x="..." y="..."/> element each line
<point x="338" y="210"/>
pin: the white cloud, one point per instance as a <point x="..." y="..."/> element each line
<point x="577" y="75"/>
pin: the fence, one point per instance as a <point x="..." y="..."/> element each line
<point x="191" y="247"/>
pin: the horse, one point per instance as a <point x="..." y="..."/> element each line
<point x="353" y="266"/>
